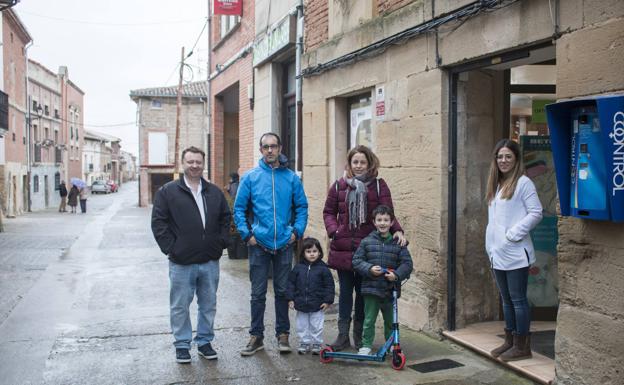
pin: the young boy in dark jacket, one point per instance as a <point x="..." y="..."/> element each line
<point x="310" y="291"/>
<point x="379" y="251"/>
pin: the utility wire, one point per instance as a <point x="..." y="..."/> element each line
<point x="198" y="37"/>
<point x="149" y="23"/>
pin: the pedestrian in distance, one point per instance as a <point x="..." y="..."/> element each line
<point x="72" y="198"/>
<point x="63" y="193"/>
<point x="383" y="263"/>
<point x="278" y="209"/>
<point x="84" y="194"/>
<point x="514" y="209"/>
<point x="348" y="219"/>
<point x="190" y="222"/>
<point x="232" y="186"/>
<point x="310" y="292"/>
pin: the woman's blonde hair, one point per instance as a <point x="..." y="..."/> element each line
<point x="371" y="158"/>
<point x="495" y="177"/>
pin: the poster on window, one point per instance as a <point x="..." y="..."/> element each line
<point x="361" y="126"/>
<point x="543" y="287"/>
<point x="228" y="7"/>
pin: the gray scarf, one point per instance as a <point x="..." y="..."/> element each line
<point x="357" y="197"/>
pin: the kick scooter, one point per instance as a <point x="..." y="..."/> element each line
<point x="327" y="355"/>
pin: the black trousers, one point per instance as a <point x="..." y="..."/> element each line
<point x="83" y="205"/>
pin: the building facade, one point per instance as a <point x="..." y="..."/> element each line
<point x="100" y="157"/>
<point x="128" y="167"/>
<point x="14" y="171"/>
<point x="431" y="86"/>
<point x="156" y="119"/>
<point x="47" y="140"/>
<point x="232" y="140"/>
<point x="72" y="116"/>
<point x="274" y="61"/>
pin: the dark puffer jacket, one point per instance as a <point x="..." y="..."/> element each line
<point x="374" y="251"/>
<point x="335" y="214"/>
<point x="310" y="286"/>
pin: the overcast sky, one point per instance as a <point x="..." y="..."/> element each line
<point x="113" y="46"/>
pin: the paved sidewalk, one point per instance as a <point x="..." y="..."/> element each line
<point x="85" y="300"/>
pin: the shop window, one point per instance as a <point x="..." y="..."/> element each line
<point x="360" y="116"/>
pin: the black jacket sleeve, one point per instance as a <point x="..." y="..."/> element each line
<point x="406" y="265"/>
<point x="328" y="287"/>
<point x="290" y="287"/>
<point x="160" y="222"/>
<point x="225" y="219"/>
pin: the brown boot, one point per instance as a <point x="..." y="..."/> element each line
<point x="505" y="346"/>
<point x="342" y="341"/>
<point x="521" y="349"/>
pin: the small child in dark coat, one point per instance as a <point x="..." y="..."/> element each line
<point x="310" y="291"/>
<point x="380" y="251"/>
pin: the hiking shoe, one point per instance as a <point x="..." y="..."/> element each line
<point x="282" y="343"/>
<point x="303" y="348"/>
<point x="255" y="344"/>
<point x="207" y="352"/>
<point x="316" y="349"/>
<point x="183" y="356"/>
<point x="364" y="351"/>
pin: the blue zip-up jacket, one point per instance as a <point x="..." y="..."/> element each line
<point x="310" y="285"/>
<point x="273" y="195"/>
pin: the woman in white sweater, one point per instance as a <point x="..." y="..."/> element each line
<point x="514" y="209"/>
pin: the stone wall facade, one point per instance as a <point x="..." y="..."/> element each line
<point x="412" y="144"/>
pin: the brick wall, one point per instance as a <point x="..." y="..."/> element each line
<point x="239" y="74"/>
<point x="316" y="22"/>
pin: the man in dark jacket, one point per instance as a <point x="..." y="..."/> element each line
<point x="190" y="222"/>
<point x="63" y="193"/>
<point x="381" y="261"/>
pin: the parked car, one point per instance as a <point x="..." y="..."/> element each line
<point x="99" y="187"/>
<point x="113" y="186"/>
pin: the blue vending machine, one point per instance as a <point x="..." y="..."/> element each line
<point x="588" y="190"/>
<point x="587" y="140"/>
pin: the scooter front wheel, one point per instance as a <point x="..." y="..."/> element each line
<point x="325" y="358"/>
<point x="398" y="361"/>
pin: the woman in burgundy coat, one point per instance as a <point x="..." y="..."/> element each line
<point x="347" y="215"/>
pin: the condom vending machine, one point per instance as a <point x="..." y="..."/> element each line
<point x="587" y="139"/>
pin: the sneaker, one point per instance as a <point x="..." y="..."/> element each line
<point x="316" y="349"/>
<point x="207" y="352"/>
<point x="183" y="356"/>
<point x="282" y="343"/>
<point x="303" y="348"/>
<point x="364" y="351"/>
<point x="255" y="344"/>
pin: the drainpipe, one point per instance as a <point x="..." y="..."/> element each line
<point x="207" y="135"/>
<point x="298" y="84"/>
<point x="451" y="244"/>
<point x="28" y="129"/>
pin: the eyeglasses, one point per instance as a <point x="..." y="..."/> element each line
<point x="504" y="157"/>
<point x="270" y="146"/>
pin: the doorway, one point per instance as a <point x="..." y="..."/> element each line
<point x="491" y="99"/>
<point x="231" y="132"/>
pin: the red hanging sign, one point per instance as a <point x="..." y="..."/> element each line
<point x="228" y="7"/>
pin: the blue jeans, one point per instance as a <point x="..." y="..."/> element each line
<point x="186" y="281"/>
<point x="350" y="281"/>
<point x="512" y="285"/>
<point x="259" y="263"/>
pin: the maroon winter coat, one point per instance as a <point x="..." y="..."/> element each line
<point x="335" y="214"/>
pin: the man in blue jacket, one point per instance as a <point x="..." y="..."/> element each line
<point x="271" y="213"/>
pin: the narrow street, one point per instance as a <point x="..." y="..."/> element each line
<point x="84" y="299"/>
